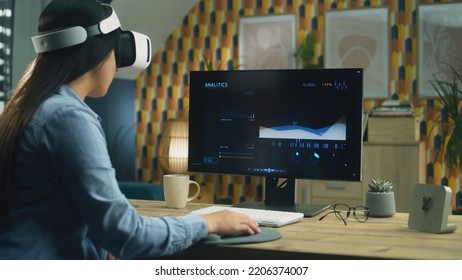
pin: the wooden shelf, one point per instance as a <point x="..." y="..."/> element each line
<point x="402" y="164"/>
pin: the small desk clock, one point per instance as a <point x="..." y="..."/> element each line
<point x="430" y="208"/>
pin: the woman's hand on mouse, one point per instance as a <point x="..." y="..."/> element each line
<point x="230" y="223"/>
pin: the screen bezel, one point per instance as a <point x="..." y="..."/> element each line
<point x="354" y="123"/>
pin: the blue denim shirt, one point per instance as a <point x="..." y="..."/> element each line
<point x="67" y="203"/>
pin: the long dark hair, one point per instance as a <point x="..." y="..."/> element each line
<point x="46" y="74"/>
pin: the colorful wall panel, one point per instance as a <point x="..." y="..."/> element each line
<point x="209" y="33"/>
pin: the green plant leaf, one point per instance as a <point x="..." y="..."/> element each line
<point x="449" y="92"/>
<point x="380" y="186"/>
<point x="306" y="50"/>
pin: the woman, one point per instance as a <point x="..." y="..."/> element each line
<point x="59" y="197"/>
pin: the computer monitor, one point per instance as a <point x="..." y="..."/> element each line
<point x="290" y="124"/>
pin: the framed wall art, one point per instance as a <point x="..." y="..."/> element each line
<point x="440" y="44"/>
<point x="359" y="38"/>
<point x="267" y="42"/>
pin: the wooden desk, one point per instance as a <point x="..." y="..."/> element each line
<point x="378" y="238"/>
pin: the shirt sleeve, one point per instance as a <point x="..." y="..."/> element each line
<point x="78" y="151"/>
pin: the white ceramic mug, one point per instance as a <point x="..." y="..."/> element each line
<point x="176" y="190"/>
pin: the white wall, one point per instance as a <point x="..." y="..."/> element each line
<point x="155" y="18"/>
<point x="25" y="26"/>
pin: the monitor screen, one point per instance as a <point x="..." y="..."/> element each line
<point x="303" y="123"/>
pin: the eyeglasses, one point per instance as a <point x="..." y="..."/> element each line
<point x="342" y="211"/>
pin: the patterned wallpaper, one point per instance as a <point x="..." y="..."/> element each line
<point x="211" y="30"/>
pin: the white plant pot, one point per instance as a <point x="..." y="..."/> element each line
<point x="381" y="204"/>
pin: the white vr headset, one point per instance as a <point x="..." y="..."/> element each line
<point x="132" y="51"/>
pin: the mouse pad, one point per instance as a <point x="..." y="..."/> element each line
<point x="264" y="236"/>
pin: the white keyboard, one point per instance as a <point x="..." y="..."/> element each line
<point x="267" y="218"/>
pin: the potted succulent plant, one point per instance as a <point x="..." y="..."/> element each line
<point x="380" y="198"/>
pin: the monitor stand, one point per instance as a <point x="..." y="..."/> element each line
<point x="281" y="198"/>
